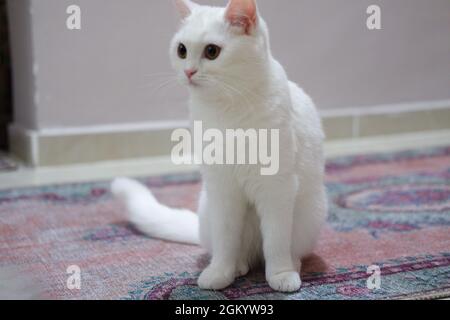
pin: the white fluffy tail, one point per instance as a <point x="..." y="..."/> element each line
<point x="154" y="219"/>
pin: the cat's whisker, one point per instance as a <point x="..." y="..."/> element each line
<point x="157" y="77"/>
<point x="223" y="87"/>
<point x="159" y="74"/>
<point x="242" y="85"/>
<point x="163" y="85"/>
<point x="248" y="99"/>
<point x="157" y="82"/>
<point x="235" y="93"/>
<point x="227" y="92"/>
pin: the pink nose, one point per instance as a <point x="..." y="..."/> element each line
<point x="190" y="73"/>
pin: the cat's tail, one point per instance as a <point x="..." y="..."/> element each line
<point x="153" y="218"/>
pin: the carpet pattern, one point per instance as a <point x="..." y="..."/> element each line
<point x="388" y="210"/>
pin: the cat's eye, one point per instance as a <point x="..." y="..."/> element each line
<point x="212" y="52"/>
<point x="182" y="51"/>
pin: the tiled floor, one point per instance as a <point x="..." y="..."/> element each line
<point x="145" y="167"/>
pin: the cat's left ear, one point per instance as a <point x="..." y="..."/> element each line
<point x="242" y="14"/>
<point x="185" y="7"/>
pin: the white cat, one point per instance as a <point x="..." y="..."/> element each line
<point x="223" y="56"/>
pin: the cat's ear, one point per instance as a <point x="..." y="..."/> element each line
<point x="185" y="7"/>
<point x="242" y="14"/>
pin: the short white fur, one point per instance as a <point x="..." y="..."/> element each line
<point x="243" y="218"/>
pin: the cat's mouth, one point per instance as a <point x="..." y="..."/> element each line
<point x="192" y="83"/>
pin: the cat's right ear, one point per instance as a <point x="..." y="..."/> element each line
<point x="185" y="7"/>
<point x="242" y="14"/>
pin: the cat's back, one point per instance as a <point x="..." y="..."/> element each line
<point x="307" y="119"/>
<point x="302" y="108"/>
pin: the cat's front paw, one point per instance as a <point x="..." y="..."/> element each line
<point x="216" y="278"/>
<point x="242" y="269"/>
<point x="285" y="282"/>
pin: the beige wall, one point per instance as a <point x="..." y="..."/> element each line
<point x="99" y="75"/>
<point x="22" y="59"/>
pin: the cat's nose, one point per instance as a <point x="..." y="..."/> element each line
<point x="190" y="73"/>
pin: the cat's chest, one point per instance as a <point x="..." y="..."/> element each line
<point x="222" y="118"/>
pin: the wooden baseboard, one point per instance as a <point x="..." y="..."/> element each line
<point x="104" y="143"/>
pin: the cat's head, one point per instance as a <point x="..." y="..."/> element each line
<point x="217" y="48"/>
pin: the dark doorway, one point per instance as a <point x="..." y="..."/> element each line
<point x="5" y="78"/>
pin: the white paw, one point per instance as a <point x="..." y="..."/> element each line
<point x="216" y="278"/>
<point x="242" y="269"/>
<point x="285" y="282"/>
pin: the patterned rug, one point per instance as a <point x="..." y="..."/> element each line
<point x="391" y="211"/>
